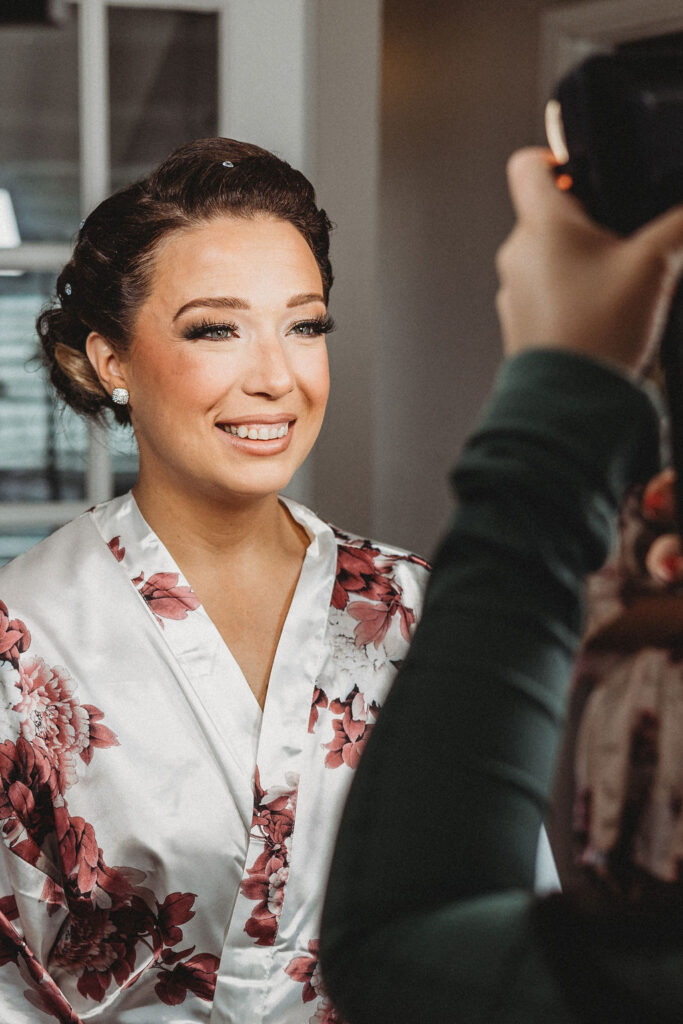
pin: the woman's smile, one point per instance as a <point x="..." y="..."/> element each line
<point x="260" y="436"/>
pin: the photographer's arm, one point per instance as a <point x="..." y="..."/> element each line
<point x="429" y="914"/>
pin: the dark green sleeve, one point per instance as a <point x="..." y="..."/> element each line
<point x="429" y="912"/>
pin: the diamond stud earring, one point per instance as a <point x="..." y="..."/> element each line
<point x="120" y="396"/>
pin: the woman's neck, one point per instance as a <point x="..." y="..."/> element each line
<point x="198" y="531"/>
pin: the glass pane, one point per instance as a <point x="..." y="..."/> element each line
<point x="163" y="82"/>
<point x="43" y="453"/>
<point x="39" y="127"/>
<point x="43" y="456"/>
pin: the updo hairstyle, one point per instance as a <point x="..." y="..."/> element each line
<point x="109" y="275"/>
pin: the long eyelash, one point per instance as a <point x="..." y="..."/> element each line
<point x="200" y="329"/>
<point x="321" y="324"/>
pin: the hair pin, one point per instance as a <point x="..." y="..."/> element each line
<point x="228" y="163"/>
<point x="67" y="289"/>
<point x="44" y="328"/>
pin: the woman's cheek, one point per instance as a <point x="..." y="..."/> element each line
<point x="316" y="372"/>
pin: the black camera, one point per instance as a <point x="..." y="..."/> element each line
<point x="616" y="127"/>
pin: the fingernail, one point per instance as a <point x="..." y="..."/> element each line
<point x="654" y="502"/>
<point x="672" y="566"/>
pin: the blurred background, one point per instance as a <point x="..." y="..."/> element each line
<point x="403" y="116"/>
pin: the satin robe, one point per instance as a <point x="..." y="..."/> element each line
<point x="166" y="844"/>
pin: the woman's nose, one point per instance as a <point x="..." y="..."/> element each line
<point x="269" y="372"/>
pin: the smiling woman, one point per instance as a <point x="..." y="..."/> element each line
<point x="256" y="360"/>
<point x="192" y="670"/>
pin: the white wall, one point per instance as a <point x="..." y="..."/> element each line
<point x="418" y="340"/>
<point x="459" y="94"/>
<point x="345" y="172"/>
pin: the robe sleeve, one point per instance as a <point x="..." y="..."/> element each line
<point x="430" y="914"/>
<point x="31" y="910"/>
<point x="26" y="988"/>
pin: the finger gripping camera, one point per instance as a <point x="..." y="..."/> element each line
<point x="615" y="126"/>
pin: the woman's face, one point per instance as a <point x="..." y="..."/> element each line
<point x="227" y="370"/>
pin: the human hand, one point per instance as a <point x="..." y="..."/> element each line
<point x="637" y="601"/>
<point x="568" y="283"/>
<point x="664" y="559"/>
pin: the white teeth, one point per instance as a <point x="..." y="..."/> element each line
<point x="259" y="432"/>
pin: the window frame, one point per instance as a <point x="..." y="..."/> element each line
<point x="263" y="94"/>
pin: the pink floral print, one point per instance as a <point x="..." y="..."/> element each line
<point x="117" y="551"/>
<point x="351" y="731"/>
<point x="273" y="824"/>
<point x="306" y="970"/>
<point x="111" y="914"/>
<point x="197" y="974"/>
<point x="113" y="928"/>
<point x="364" y="572"/>
<point x="28" y="791"/>
<point x="366" y="590"/>
<point x="166" y="598"/>
<point x="14" y="637"/>
<point x="618" y="866"/>
<point x="43" y="994"/>
<point x="53" y="718"/>
<point x="319" y="701"/>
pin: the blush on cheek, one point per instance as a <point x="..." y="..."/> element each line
<point x="189" y="383"/>
<point x="314" y="378"/>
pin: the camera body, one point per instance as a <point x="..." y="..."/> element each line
<point x="620" y="117"/>
<point x="615" y="126"/>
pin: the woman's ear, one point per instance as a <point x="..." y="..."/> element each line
<point x="106" y="362"/>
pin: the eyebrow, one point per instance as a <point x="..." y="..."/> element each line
<point x="230" y="302"/>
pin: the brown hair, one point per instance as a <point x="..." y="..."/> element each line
<point x="108" y="276"/>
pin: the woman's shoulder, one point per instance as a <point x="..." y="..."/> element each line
<point x="42" y="553"/>
<point x="51" y="569"/>
<point x="383" y="574"/>
<point x="364" y="569"/>
<point x="38" y="586"/>
<point x="365" y="548"/>
<point x="69" y="546"/>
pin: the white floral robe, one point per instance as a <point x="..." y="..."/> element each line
<point x="166" y="844"/>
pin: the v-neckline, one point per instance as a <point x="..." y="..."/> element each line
<point x="144" y="554"/>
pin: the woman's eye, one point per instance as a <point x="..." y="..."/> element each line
<point x="307" y="330"/>
<point x="214" y="332"/>
<point x="219" y="332"/>
<point x="313" y="328"/>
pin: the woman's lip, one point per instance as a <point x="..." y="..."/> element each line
<point x="236" y="421"/>
<point x="273" y="446"/>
